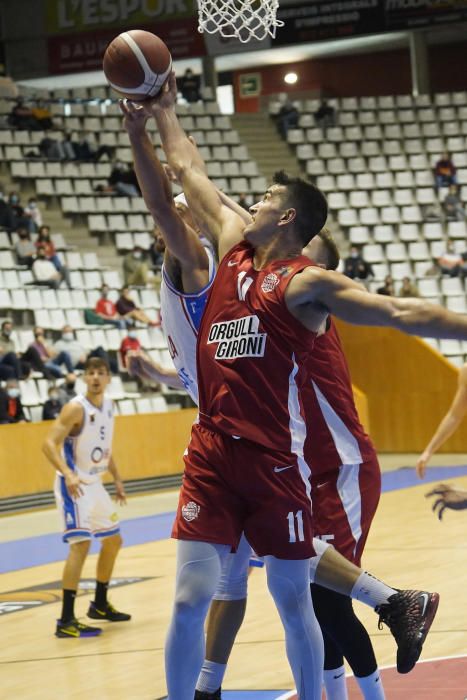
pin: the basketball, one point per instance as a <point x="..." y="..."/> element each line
<point x="137" y="64"/>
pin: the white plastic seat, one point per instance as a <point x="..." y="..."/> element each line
<point x="411" y="214"/>
<point x="158" y="404"/>
<point x="383" y="233"/>
<point x="425" y="195"/>
<point x="348" y="150"/>
<point x="404" y="179"/>
<point x="409" y="232"/>
<point x="373" y="253"/>
<point x="143" y="405"/>
<point x="359" y="199"/>
<point x="337" y="200"/>
<point x="381" y="198"/>
<point x="457" y="229"/>
<point x="390" y="215"/>
<point x="398" y="163"/>
<point x="396" y="252"/>
<point x="458" y="304"/>
<point x="92" y="279"/>
<point x="403" y="197"/>
<point x="126" y="407"/>
<point x="418" y="250"/>
<point x="327" y="183"/>
<point x="336" y="166"/>
<point x="345" y="182"/>
<point x="384" y="180"/>
<point x="370" y="149"/>
<point x="399" y="270"/>
<point x="348" y="217"/>
<point x="432" y="231"/>
<point x="29" y="394"/>
<point x="49" y="299"/>
<point x="450" y="347"/>
<point x="359" y="235"/>
<point x="451" y="286"/>
<point x="57" y="318"/>
<point x="378" y="164"/>
<point x="364" y="181"/>
<point x="428" y="287"/>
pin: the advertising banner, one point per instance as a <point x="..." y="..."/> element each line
<point x="411" y="14"/>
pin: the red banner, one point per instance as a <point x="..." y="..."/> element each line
<point x="74" y="53"/>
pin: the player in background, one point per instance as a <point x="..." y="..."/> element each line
<point x="290" y="213"/>
<point x="79" y="447"/>
<point x="450" y="422"/>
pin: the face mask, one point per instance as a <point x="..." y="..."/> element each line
<point x="13" y="393"/>
<point x="54" y="397"/>
<point x="137" y="255"/>
<point x="6" y="333"/>
<point x="132" y="334"/>
<point x="67" y="335"/>
<point x="354" y="255"/>
<point x="32" y="205"/>
<point x="105" y="294"/>
<point x="14" y="199"/>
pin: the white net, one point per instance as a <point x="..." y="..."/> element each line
<point x="242" y="19"/>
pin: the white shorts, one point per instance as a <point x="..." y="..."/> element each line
<point x="93" y="513"/>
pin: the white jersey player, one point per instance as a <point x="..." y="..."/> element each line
<point x="79" y="446"/>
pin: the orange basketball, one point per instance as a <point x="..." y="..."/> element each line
<point x="137" y="64"/>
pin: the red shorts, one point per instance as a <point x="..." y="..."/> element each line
<point x="344" y="504"/>
<point x="230" y="486"/>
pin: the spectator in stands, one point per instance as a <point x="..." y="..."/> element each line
<point x="135" y="268"/>
<point x="244" y="201"/>
<point x="7" y="219"/>
<point x="53" y="405"/>
<point x="452" y="205"/>
<point x="44" y="271"/>
<point x="106" y="311"/>
<point x="19" y="217"/>
<point x="156" y="251"/>
<point x="355" y="266"/>
<point x="123" y="181"/>
<point x="12" y="363"/>
<point x="11" y="408"/>
<point x="189" y="85"/>
<point x="445" y="172"/>
<point x="25" y="249"/>
<point x="432" y="212"/>
<point x="52" y="360"/>
<point x="42" y="115"/>
<point x="388" y="287"/>
<point x="450" y="263"/>
<point x="69" y="146"/>
<point x="408" y="289"/>
<point x="127" y="308"/>
<point x="44" y="240"/>
<point x="34" y="215"/>
<point x="78" y="354"/>
<point x="84" y="149"/>
<point x="130" y="342"/>
<point x="67" y="391"/>
<point x="325" y="115"/>
<point x="52" y="149"/>
<point x="287" y="118"/>
<point x="21" y="116"/>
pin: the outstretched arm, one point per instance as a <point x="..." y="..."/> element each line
<point x="203" y="198"/>
<point x="139" y="365"/>
<point x="449" y="423"/>
<point x="181" y="240"/>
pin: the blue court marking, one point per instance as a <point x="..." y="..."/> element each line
<point x="45" y="549"/>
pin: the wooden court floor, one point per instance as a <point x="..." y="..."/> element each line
<point x="408" y="547"/>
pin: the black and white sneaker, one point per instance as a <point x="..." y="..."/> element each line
<point x="409" y="615"/>
<point x="201" y="695"/>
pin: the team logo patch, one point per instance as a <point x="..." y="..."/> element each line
<point x="270" y="282"/>
<point x="190" y="511"/>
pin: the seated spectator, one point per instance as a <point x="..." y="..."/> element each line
<point x="44" y="240"/>
<point x="105" y="311"/>
<point x="44" y="271"/>
<point x="7" y="219"/>
<point x="189" y="85"/>
<point x="127" y="308"/>
<point x="432" y="213"/>
<point x="21" y="116"/>
<point x="34" y="215"/>
<point x="51" y="149"/>
<point x="52" y="360"/>
<point x="325" y="115"/>
<point x="388" y="287"/>
<point x="355" y="266"/>
<point x="13" y="365"/>
<point x="408" y="289"/>
<point x="53" y="405"/>
<point x="130" y="342"/>
<point x="121" y="181"/>
<point x="42" y="115"/>
<point x="244" y="201"/>
<point x="11" y="408"/>
<point x="287" y="118"/>
<point x="25" y="249"/>
<point x="84" y="149"/>
<point x="450" y="263"/>
<point x="19" y="217"/>
<point x="77" y="352"/>
<point x="66" y="391"/>
<point x="135" y="268"/>
<point x="445" y="172"/>
<point x="156" y="251"/>
<point x="452" y="205"/>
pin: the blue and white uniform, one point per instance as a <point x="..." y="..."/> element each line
<point x="181" y="316"/>
<point x="88" y="454"/>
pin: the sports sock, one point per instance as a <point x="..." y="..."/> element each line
<point x="369" y="590"/>
<point x="335" y="684"/>
<point x="68" y="605"/>
<point x="211" y="676"/>
<point x="371" y="686"/>
<point x="100" y="598"/>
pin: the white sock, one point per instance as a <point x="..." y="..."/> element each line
<point x="371" y="686"/>
<point x="335" y="684"/>
<point x="371" y="591"/>
<point x="211" y="676"/>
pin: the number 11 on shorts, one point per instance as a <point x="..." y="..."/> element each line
<point x="296" y="527"/>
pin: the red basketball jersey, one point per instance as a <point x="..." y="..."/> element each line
<point x="335" y="435"/>
<point x="252" y="354"/>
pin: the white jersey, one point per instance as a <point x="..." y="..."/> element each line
<point x="88" y="453"/>
<point x="181" y="315"/>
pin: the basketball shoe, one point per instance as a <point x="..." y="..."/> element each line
<point x="409" y="616"/>
<point x="201" y="695"/>
<point x="73" y="628"/>
<point x="108" y="613"/>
